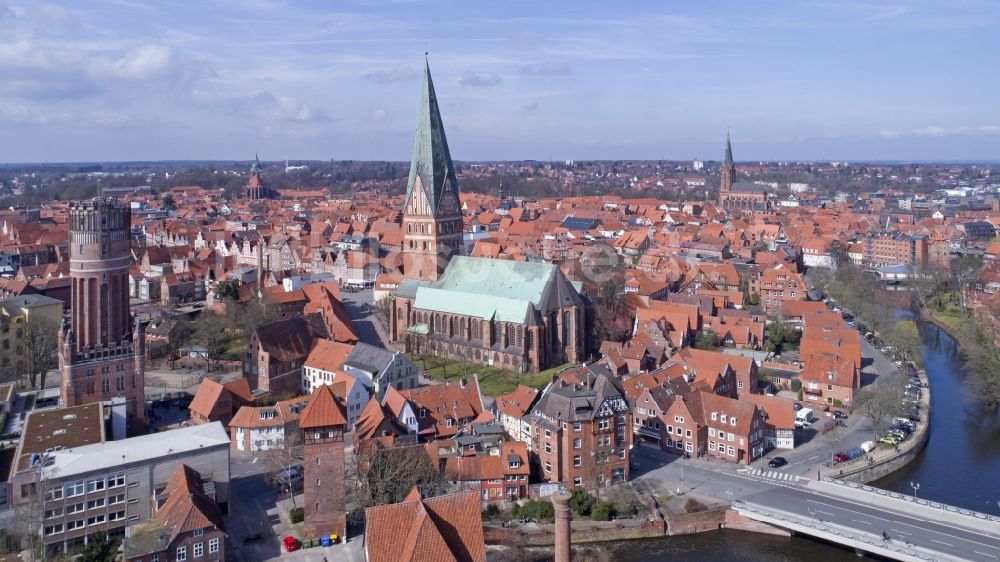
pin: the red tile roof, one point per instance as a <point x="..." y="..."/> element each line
<point x="323" y="410"/>
<point x="445" y="528"/>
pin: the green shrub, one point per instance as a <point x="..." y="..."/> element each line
<point x="796" y="385"/>
<point x="297" y="514"/>
<point x="9" y="544"/>
<point x="801" y="395"/>
<point x="535" y="509"/>
<point x="837" y="403"/>
<point x="602" y="511"/>
<point x="491" y="512"/>
<point x="581" y="502"/>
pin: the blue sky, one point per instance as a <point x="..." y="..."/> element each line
<point x="793" y="80"/>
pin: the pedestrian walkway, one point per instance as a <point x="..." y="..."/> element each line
<point x="771" y="474"/>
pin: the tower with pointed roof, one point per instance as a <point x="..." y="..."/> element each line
<point x="727" y="174"/>
<point x="432" y="216"/>
<point x="255" y="188"/>
<point x="323" y="423"/>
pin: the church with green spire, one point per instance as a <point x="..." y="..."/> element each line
<point x="432" y="214"/>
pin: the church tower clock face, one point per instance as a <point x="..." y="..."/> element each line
<point x="448" y="203"/>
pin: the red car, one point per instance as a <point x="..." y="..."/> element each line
<point x="841" y="457"/>
<point x="292" y="544"/>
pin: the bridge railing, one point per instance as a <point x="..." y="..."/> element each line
<point x="871" y="542"/>
<point x="906" y="497"/>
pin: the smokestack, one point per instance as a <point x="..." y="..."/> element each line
<point x="560" y="501"/>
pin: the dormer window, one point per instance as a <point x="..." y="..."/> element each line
<point x="514" y="464"/>
<point x="423" y="413"/>
<point x="447" y="422"/>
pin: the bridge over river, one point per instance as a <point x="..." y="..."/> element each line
<point x="855" y="516"/>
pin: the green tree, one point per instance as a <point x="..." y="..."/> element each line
<point x="581" y="502"/>
<point x="228" y="289"/>
<point x="706" y="340"/>
<point x="99" y="549"/>
<point x="168" y="202"/>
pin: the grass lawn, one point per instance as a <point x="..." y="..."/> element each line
<point x="492" y="382"/>
<point x="950" y="314"/>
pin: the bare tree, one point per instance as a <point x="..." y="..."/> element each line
<point x="209" y="331"/>
<point x="380" y="475"/>
<point x="881" y="401"/>
<point x="283" y="460"/>
<point x="40" y="342"/>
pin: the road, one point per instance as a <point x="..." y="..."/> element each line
<point x="361" y="306"/>
<point x="947" y="533"/>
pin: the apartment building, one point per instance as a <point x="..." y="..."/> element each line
<point x="108" y="486"/>
<point x="581" y="429"/>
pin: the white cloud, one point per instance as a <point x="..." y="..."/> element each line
<point x="392" y="75"/>
<point x="471" y="79"/>
<point x="935" y="132"/>
<point x="149" y="63"/>
<point x="263" y="105"/>
<point x="547" y="69"/>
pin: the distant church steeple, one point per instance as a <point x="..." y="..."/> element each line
<point x="432" y="217"/>
<point x="727" y="174"/>
<point x="255" y="188"/>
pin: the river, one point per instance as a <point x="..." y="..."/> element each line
<point x="960" y="465"/>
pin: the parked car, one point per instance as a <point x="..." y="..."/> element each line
<point x="841" y="457"/>
<point x="777" y="462"/>
<point x="292" y="544"/>
<point x="839" y="416"/>
<point x="289" y="473"/>
<point x="797" y="406"/>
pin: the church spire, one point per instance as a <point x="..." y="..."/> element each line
<point x="431" y="163"/>
<point x="727" y="174"/>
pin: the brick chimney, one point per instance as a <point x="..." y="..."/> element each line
<point x="560" y="501"/>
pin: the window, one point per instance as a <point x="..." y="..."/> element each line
<point x="74" y="489"/>
<point x="117" y="516"/>
<point x="576" y="460"/>
<point x="577" y="443"/>
<point x="96" y="520"/>
<point x="116" y="480"/>
<point x="548" y="433"/>
<point x="548" y="448"/>
<point x="95" y="485"/>
<point x="198" y="549"/>
<point x="577" y="426"/>
<point x="73" y="525"/>
<point x="181" y="554"/>
<point x="93" y="504"/>
<point x="604" y="424"/>
<point x="688" y="433"/>
<point x="213" y="546"/>
<point x="198" y="532"/>
<point x="732" y="421"/>
<point x="49" y="513"/>
<point x="711" y="432"/>
<point x="74" y="508"/>
<point x="54" y="529"/>
<point x="548" y="467"/>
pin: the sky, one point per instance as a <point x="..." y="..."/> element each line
<point x="117" y="80"/>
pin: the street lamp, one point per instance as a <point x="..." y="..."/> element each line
<point x="915" y="486"/>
